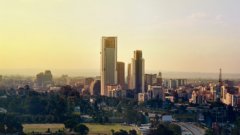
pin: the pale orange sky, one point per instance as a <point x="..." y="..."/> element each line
<point x="186" y="35"/>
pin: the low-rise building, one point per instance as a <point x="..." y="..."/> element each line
<point x="167" y="118"/>
<point x="156" y="92"/>
<point x="142" y="97"/>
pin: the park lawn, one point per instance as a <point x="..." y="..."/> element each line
<point x="42" y="128"/>
<point x="93" y="128"/>
<point x="106" y="128"/>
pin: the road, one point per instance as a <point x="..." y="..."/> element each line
<point x="191" y="129"/>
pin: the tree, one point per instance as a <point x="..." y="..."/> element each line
<point x="2" y="128"/>
<point x="71" y="124"/>
<point x="154" y="103"/>
<point x="10" y="124"/>
<point x="230" y="114"/>
<point x="166" y="129"/>
<point x="129" y="115"/>
<point x="112" y="131"/>
<point x="81" y="129"/>
<point x="175" y="128"/>
<point x="48" y="130"/>
<point x="133" y="132"/>
<point x="133" y="116"/>
<point x="121" y="132"/>
<point x="209" y="132"/>
<point x="236" y="129"/>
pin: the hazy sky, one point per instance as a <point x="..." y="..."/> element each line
<point x="175" y="35"/>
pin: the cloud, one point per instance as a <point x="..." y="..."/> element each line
<point x="205" y="17"/>
<point x="199" y="16"/>
<point x="193" y="21"/>
<point x="219" y="17"/>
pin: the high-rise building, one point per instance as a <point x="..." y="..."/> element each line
<point x="129" y="76"/>
<point x="150" y="79"/>
<point x="121" y="74"/>
<point x="172" y="84"/>
<point x="95" y="88"/>
<point x="219" y="93"/>
<point x="48" y="78"/>
<point x="138" y="70"/>
<point x="156" y="92"/>
<point x="40" y="79"/>
<point x="108" y="63"/>
<point x="159" y="79"/>
<point x="44" y="79"/>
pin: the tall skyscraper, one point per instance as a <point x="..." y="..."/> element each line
<point x="108" y="63"/>
<point x="138" y="71"/>
<point x="121" y="74"/>
<point x="44" y="79"/>
<point x="220" y="91"/>
<point x="219" y="88"/>
<point x="95" y="88"/>
<point x="159" y="79"/>
<point x="129" y="76"/>
<point x="48" y="78"/>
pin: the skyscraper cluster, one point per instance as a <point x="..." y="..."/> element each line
<point x="44" y="79"/>
<point x="113" y="72"/>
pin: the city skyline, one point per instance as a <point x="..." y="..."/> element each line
<point x="186" y="36"/>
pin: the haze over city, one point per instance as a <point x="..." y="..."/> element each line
<point x="65" y="35"/>
<point x="119" y="67"/>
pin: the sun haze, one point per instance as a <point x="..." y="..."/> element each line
<point x="174" y="35"/>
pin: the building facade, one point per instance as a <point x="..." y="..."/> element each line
<point x="138" y="71"/>
<point x="121" y="74"/>
<point x="108" y="63"/>
<point x="129" y="80"/>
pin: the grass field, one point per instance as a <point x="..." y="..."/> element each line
<point x="41" y="128"/>
<point x="95" y="129"/>
<point x="106" y="128"/>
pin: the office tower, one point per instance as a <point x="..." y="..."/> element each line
<point x="48" y="78"/>
<point x="151" y="79"/>
<point x="129" y="76"/>
<point x="156" y="92"/>
<point x="219" y="91"/>
<point x="137" y="77"/>
<point x="172" y="84"/>
<point x="40" y="79"/>
<point x="220" y="77"/>
<point x="121" y="74"/>
<point x="44" y="79"/>
<point x="159" y="79"/>
<point x="108" y="63"/>
<point x="95" y="88"/>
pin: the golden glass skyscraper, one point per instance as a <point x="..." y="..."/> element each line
<point x="108" y="63"/>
